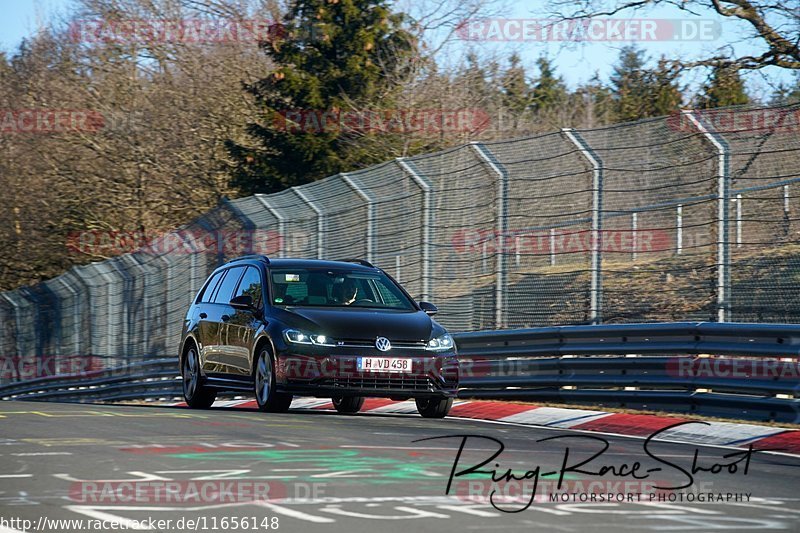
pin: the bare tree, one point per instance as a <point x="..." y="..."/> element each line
<point x="773" y="25"/>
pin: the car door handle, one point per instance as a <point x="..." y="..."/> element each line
<point x="203" y="315"/>
<point x="225" y="318"/>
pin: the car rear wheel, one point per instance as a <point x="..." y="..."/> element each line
<point x="434" y="408"/>
<point x="267" y="398"/>
<point x="196" y="394"/>
<point x="348" y="405"/>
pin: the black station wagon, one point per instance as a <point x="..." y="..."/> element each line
<point x="343" y="330"/>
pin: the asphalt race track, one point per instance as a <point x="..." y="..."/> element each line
<point x="326" y="472"/>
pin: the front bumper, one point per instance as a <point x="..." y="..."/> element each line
<point x="335" y="374"/>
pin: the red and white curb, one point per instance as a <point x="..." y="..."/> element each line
<point x="632" y="425"/>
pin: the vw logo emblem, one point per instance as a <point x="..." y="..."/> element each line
<point x="383" y="344"/>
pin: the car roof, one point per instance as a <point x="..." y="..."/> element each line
<point x="303" y="263"/>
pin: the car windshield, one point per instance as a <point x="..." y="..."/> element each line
<point x="307" y="287"/>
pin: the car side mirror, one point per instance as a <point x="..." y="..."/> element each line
<point x="429" y="308"/>
<point x="243" y="302"/>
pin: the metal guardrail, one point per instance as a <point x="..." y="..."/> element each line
<point x="748" y="371"/>
<point x="157" y="378"/>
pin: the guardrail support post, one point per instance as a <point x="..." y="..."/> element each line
<point x="362" y="192"/>
<point x="427" y="222"/>
<point x="281" y="222"/>
<point x="723" y="201"/>
<point x="502" y="226"/>
<point x="320" y="220"/>
<point x="596" y="289"/>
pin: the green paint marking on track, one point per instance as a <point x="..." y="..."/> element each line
<point x="341" y="465"/>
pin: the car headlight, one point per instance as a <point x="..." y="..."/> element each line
<point x="440" y="344"/>
<point x="298" y="337"/>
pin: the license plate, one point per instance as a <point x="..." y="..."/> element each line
<point x="384" y="364"/>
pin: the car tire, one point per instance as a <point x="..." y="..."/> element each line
<point x="348" y="405"/>
<point x="195" y="393"/>
<point x="434" y="408"/>
<point x="267" y="398"/>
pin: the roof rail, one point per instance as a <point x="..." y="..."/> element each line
<point x="362" y="262"/>
<point x="260" y="257"/>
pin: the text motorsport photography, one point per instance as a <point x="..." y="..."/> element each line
<point x="665" y="481"/>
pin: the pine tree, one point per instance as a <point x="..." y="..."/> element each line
<point x="667" y="95"/>
<point x="629" y="85"/>
<point x="331" y="56"/>
<point x="593" y="103"/>
<point x="549" y="91"/>
<point x="516" y="92"/>
<point x="787" y="94"/>
<point x="640" y="92"/>
<point x="481" y="82"/>
<point x="725" y="87"/>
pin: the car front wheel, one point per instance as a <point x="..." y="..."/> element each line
<point x="348" y="405"/>
<point x="196" y="394"/>
<point x="434" y="408"/>
<point x="267" y="398"/>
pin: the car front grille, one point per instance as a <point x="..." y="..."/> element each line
<point x="396" y="345"/>
<point x="399" y="383"/>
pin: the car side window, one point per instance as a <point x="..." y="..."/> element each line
<point x="251" y="285"/>
<point x="208" y="290"/>
<point x="225" y="290"/>
<point x="387" y="296"/>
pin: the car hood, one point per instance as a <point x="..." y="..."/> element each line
<point x="364" y="324"/>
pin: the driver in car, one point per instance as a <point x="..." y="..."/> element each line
<point x="345" y="293"/>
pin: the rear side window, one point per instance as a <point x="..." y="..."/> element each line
<point x="225" y="290"/>
<point x="208" y="290"/>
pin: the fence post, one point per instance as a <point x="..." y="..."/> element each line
<point x="502" y="226"/>
<point x="596" y="290"/>
<point x="320" y="220"/>
<point x="145" y="340"/>
<point x="17" y="324"/>
<point x="427" y="222"/>
<point x="281" y="222"/>
<point x="109" y="286"/>
<point x="361" y="191"/>
<point x="786" y="220"/>
<point x="723" y="222"/>
<point x="76" y="317"/>
<point x="738" y="201"/>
